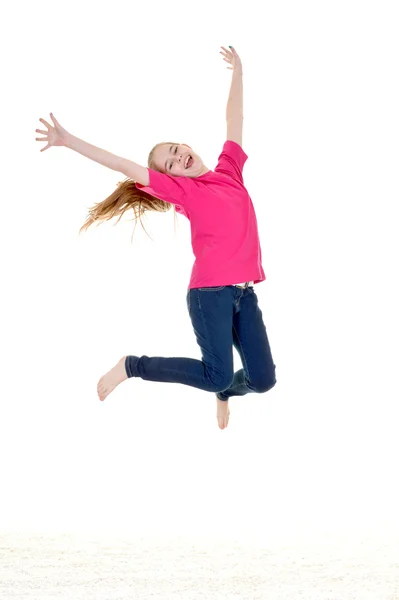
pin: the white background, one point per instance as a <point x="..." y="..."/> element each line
<point x="321" y="132"/>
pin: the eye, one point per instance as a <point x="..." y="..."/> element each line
<point x="170" y="166"/>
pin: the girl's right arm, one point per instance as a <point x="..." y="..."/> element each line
<point x="58" y="136"/>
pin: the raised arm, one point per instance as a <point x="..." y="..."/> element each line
<point x="234" y="110"/>
<point x="58" y="136"/>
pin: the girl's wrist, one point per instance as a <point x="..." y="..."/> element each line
<point x="68" y="140"/>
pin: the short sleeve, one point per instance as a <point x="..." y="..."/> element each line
<point x="231" y="161"/>
<point x="165" y="187"/>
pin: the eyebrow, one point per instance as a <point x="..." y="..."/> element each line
<point x="170" y="150"/>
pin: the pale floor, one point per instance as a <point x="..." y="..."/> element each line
<point x="85" y="567"/>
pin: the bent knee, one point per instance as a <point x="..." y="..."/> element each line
<point x="266" y="386"/>
<point x="265" y="383"/>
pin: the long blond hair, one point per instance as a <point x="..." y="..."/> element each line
<point x="125" y="197"/>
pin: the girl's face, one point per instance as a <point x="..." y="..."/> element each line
<point x="179" y="161"/>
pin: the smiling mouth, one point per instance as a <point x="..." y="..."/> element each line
<point x="189" y="161"/>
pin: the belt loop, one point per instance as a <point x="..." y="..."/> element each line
<point x="246" y="285"/>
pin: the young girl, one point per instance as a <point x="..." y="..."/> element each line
<point x="221" y="299"/>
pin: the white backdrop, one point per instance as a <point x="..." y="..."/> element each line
<point x="321" y="132"/>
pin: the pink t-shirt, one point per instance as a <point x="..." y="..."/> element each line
<point x="224" y="230"/>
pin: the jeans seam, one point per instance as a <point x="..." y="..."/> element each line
<point x="245" y="365"/>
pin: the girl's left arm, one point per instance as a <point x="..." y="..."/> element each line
<point x="234" y="110"/>
<point x="56" y="135"/>
<point x="107" y="159"/>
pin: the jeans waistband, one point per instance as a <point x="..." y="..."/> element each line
<point x="245" y="284"/>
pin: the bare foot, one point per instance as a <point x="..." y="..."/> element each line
<point x="110" y="380"/>
<point x="222" y="413"/>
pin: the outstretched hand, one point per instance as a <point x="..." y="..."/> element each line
<point x="55" y="136"/>
<point x="231" y="57"/>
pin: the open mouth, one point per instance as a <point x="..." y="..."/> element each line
<point x="189" y="161"/>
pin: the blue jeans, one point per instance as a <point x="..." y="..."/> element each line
<point x="221" y="316"/>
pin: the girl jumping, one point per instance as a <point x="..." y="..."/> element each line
<point x="221" y="299"/>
